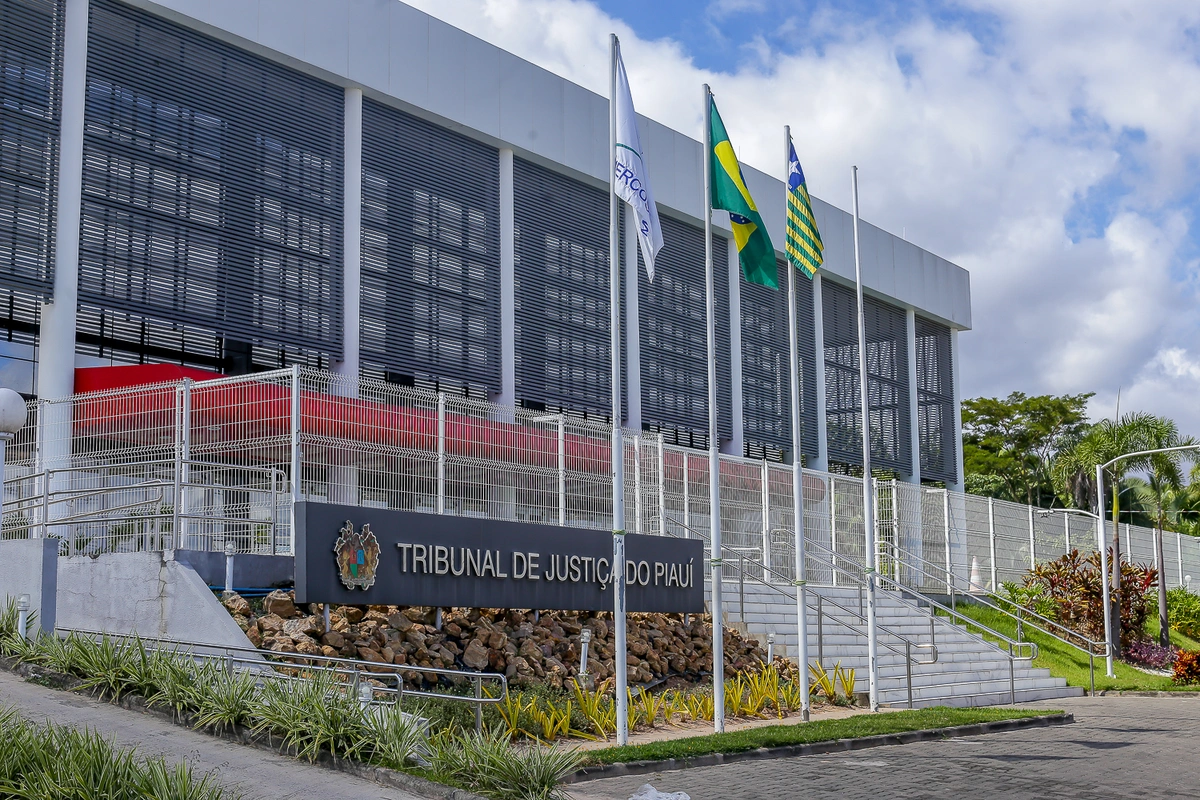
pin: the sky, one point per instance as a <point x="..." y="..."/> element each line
<point x="1050" y="147"/>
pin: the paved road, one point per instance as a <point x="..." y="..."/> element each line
<point x="1119" y="747"/>
<point x="258" y="775"/>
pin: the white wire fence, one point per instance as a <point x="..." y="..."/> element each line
<point x="210" y="465"/>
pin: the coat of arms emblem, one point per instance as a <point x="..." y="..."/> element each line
<point x="357" y="556"/>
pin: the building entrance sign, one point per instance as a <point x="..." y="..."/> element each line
<point x="437" y="560"/>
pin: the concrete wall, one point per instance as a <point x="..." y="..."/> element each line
<point x="28" y="566"/>
<point x="149" y="594"/>
<point x="249" y="571"/>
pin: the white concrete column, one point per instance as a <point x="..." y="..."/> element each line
<point x="342" y="478"/>
<point x="914" y="426"/>
<point x="960" y="484"/>
<point x="821" y="462"/>
<point x="56" y="351"/>
<point x="735" y="445"/>
<point x="633" y="333"/>
<point x="508" y="301"/>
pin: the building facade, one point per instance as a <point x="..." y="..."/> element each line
<point x="354" y="185"/>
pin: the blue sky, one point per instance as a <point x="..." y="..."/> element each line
<point x="1050" y="147"/>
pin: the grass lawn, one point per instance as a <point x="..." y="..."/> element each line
<point x="1065" y="661"/>
<point x="860" y="725"/>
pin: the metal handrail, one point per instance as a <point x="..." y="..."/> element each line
<point x="257" y="658"/>
<point x="774" y="587"/>
<point x="1015" y="645"/>
<point x="980" y="595"/>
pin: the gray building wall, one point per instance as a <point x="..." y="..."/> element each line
<point x="29" y="566"/>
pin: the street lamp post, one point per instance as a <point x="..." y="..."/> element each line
<point x="1110" y="624"/>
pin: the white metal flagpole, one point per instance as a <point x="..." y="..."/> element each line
<point x="618" y="445"/>
<point x="714" y="455"/>
<point x="868" y="493"/>
<point x="797" y="459"/>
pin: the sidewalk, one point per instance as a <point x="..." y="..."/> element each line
<point x="257" y="774"/>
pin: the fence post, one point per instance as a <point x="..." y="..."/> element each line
<point x="441" y="453"/>
<point x="637" y="483"/>
<point x="687" y="491"/>
<point x="177" y="488"/>
<point x="1067" y="530"/>
<point x="833" y="559"/>
<point x="296" y="455"/>
<point x="1179" y="554"/>
<point x="46" y="505"/>
<point x="946" y="520"/>
<point x="185" y="468"/>
<point x="992" y="540"/>
<point x="562" y="469"/>
<point x="1032" y="541"/>
<point x="662" y="487"/>
<point x="766" y="518"/>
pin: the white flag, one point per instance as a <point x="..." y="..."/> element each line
<point x="630" y="181"/>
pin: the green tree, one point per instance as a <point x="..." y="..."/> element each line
<point x="1009" y="444"/>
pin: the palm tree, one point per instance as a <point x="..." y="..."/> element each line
<point x="1074" y="476"/>
<point x="1165" y="482"/>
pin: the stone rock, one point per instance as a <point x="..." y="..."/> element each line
<point x="307" y="646"/>
<point x="271" y="623"/>
<point x="304" y="626"/>
<point x="331" y="652"/>
<point x="367" y="654"/>
<point x="254" y="635"/>
<point x="476" y="655"/>
<point x="416" y="636"/>
<point x="400" y="622"/>
<point x="237" y="605"/>
<point x="353" y="615"/>
<point x="281" y="603"/>
<point x="242" y="622"/>
<point x="334" y="640"/>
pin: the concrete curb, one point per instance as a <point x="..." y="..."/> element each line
<point x="1123" y="693"/>
<point x="244" y="736"/>
<point x="817" y="748"/>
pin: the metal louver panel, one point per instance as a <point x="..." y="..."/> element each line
<point x="766" y="391"/>
<point x="562" y="292"/>
<point x="430" y="251"/>
<point x="887" y="380"/>
<point x="212" y="186"/>
<point x="30" y="94"/>
<point x="935" y="403"/>
<point x="674" y="350"/>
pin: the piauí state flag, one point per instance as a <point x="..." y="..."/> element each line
<point x="729" y="192"/>
<point x="630" y="180"/>
<point x="804" y="247"/>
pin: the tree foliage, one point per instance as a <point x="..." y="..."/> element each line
<point x="1009" y="444"/>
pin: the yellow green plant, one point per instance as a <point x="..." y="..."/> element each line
<point x="597" y="707"/>
<point x="791" y="695"/>
<point x="552" y="720"/>
<point x="822" y="681"/>
<point x="763" y="691"/>
<point x="648" y="705"/>
<point x="675" y="706"/>
<point x="735" y="697"/>
<point x="700" y="706"/>
<point x="845" y="679"/>
<point x="510" y="708"/>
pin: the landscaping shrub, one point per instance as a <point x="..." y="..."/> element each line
<point x="1184" y="611"/>
<point x="49" y="761"/>
<point x="1187" y="667"/>
<point x="1150" y="654"/>
<point x="1072" y="585"/>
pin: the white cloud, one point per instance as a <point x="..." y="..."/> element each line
<point x="989" y="152"/>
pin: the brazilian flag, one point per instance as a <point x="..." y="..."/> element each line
<point x="729" y="192"/>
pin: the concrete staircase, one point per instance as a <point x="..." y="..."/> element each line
<point x="968" y="671"/>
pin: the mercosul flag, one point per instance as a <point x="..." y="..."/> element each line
<point x="729" y="192"/>
<point x="629" y="172"/>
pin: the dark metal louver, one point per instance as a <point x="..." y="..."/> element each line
<point x="212" y="186"/>
<point x="766" y="391"/>
<point x="887" y="379"/>
<point x="562" y="291"/>
<point x="935" y="402"/>
<point x="674" y="351"/>
<point x="430" y="251"/>
<point x="30" y="95"/>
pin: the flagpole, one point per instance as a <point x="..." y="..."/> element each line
<point x="618" y="446"/>
<point x="714" y="455"/>
<point x="868" y="493"/>
<point x="797" y="459"/>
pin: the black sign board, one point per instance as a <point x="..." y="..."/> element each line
<point x="413" y="559"/>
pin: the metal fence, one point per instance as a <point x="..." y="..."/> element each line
<point x="209" y="464"/>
